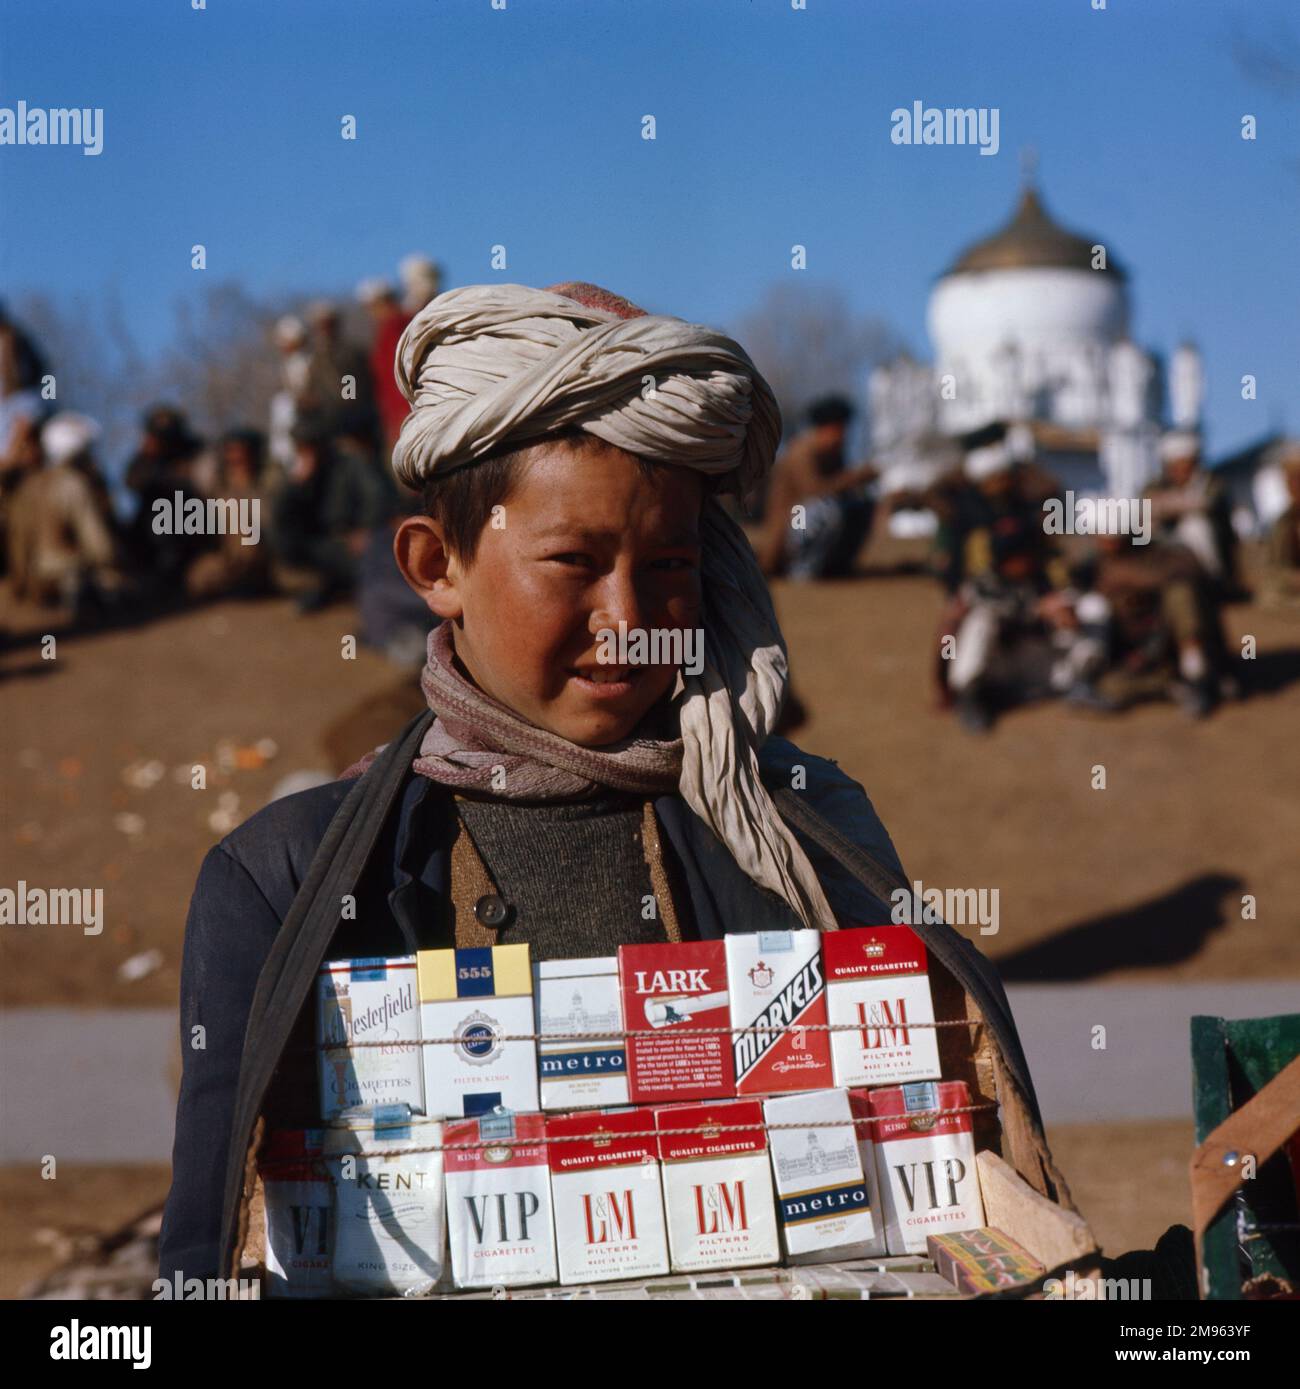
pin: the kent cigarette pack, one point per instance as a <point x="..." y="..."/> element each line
<point x="669" y="990"/>
<point x="983" y="1261"/>
<point x="609" y="1209"/>
<point x="499" y="1222"/>
<point x="368" y="1000"/>
<point x="299" y="1213"/>
<point x="926" y="1162"/>
<point x="575" y="996"/>
<point x="477" y="998"/>
<point x="717" y="1185"/>
<point x="876" y="980"/>
<point x="777" y="989"/>
<point x="824" y="1201"/>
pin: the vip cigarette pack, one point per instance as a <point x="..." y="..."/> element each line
<point x="926" y="1163"/>
<point x="983" y="1261"/>
<point x="669" y="991"/>
<point x="823" y="1198"/>
<point x="477" y="998"/>
<point x="609" y="1209"/>
<point x="575" y="996"/>
<point x="717" y="1185"/>
<point x="877" y="981"/>
<point x="368" y="1000"/>
<point x="499" y="1225"/>
<point x="299" y="1213"/>
<point x="775" y="982"/>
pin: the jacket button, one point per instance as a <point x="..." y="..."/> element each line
<point x="491" y="911"/>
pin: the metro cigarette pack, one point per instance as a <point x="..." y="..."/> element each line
<point x="717" y="1186"/>
<point x="499" y="1224"/>
<point x="299" y="1213"/>
<point x="926" y="1163"/>
<point x="775" y="982"/>
<point x="983" y="1261"/>
<point x="478" y="998"/>
<point x="609" y="1209"/>
<point x="823" y="1198"/>
<point x="368" y="1000"/>
<point x="669" y="990"/>
<point x="575" y="996"/>
<point x="877" y="980"/>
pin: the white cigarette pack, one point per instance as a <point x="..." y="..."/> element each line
<point x="366" y="1001"/>
<point x="576" y="996"/>
<point x="299" y="1213"/>
<point x="499" y="1223"/>
<point x="860" y="1107"/>
<point x="823" y="1198"/>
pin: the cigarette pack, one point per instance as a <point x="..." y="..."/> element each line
<point x="877" y="981"/>
<point x="388" y="1199"/>
<point x="926" y="1163"/>
<point x="668" y="991"/>
<point x="499" y="1222"/>
<point x="299" y="1213"/>
<point x="478" y="998"/>
<point x="983" y="1261"/>
<point x="580" y="996"/>
<point x="717" y="1185"/>
<point x="368" y="1000"/>
<point x="824" y="1201"/>
<point x="860" y="1108"/>
<point x="775" y="981"/>
<point x="609" y="1209"/>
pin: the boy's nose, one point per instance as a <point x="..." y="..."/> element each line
<point x="618" y="601"/>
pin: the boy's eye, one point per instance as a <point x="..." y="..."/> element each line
<point x="571" y="557"/>
<point x="675" y="562"/>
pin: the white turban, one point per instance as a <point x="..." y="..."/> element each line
<point x="66" y="435"/>
<point x="487" y="366"/>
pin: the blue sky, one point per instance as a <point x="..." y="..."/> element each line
<point x="523" y="127"/>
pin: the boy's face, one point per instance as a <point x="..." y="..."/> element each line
<point x="588" y="541"/>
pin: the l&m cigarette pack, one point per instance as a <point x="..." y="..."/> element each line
<point x="575" y="996"/>
<point x="368" y="1000"/>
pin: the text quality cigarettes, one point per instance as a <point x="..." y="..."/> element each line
<point x="368" y="1000"/>
<point x="574" y="997"/>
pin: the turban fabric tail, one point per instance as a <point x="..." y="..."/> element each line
<point x="487" y="366"/>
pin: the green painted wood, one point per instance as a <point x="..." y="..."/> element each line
<point x="1212" y="1103"/>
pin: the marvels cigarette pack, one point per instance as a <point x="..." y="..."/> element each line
<point x="299" y="1213"/>
<point x="775" y="981"/>
<point x="609" y="1209"/>
<point x="717" y="1185"/>
<point x="669" y="990"/>
<point x="824" y="1201"/>
<point x="499" y="1224"/>
<point x="575" y="996"/>
<point x="876" y="980"/>
<point x="983" y="1261"/>
<point x="477" y="998"/>
<point x="928" y="1181"/>
<point x="369" y="1000"/>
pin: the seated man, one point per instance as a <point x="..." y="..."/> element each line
<point x="1282" y="562"/>
<point x="1191" y="508"/>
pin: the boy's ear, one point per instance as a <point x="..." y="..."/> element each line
<point x="420" y="548"/>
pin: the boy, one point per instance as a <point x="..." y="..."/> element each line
<point x="566" y="794"/>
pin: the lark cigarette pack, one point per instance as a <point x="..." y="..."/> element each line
<point x="823" y="1200"/>
<point x="983" y="1261"/>
<point x="388" y="1199"/>
<point x="926" y="1163"/>
<point x="478" y="998"/>
<point x="717" y="1186"/>
<point x="669" y="990"/>
<point x="299" y="1213"/>
<point x="609" y="1209"/>
<point x="860" y="1108"/>
<point x="499" y="1224"/>
<point x="368" y="1000"/>
<point x="580" y="996"/>
<point x="775" y="981"/>
<point x="876" y="979"/>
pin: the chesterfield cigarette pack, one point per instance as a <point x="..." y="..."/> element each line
<point x="926" y="1163"/>
<point x="983" y="1261"/>
<point x="478" y="998"/>
<point x="299" y="1213"/>
<point x="368" y="1000"/>
<point x="499" y="1224"/>
<point x="609" y="1209"/>
<point x="717" y="1186"/>
<point x="668" y="991"/>
<point x="876" y="980"/>
<point x="388" y="1201"/>
<point x="775" y="982"/>
<point x="575" y="996"/>
<point x="823" y="1200"/>
<point x="860" y="1108"/>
